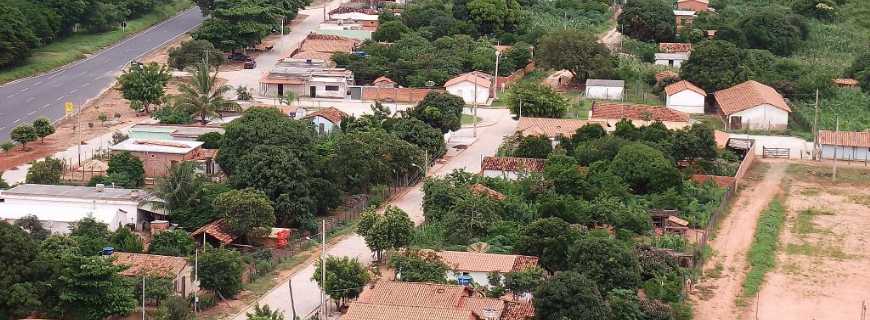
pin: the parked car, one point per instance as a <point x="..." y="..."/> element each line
<point x="250" y="64"/>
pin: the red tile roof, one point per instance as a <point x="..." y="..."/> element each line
<point x="332" y="114"/>
<point x="414" y="294"/>
<point x="683" y="85"/>
<point x="748" y="95"/>
<point x="670" y="47"/>
<point x="512" y="164"/>
<point x="550" y="127"/>
<point x="328" y="43"/>
<point x="486" y="262"/>
<point x="482" y="79"/>
<point x="413" y="95"/>
<point x="365" y="311"/>
<point x="845" y="138"/>
<point x="415" y="300"/>
<point x="612" y="110"/>
<point x="518" y="311"/>
<point x="382" y="80"/>
<point x="150" y="264"/>
<point x="215" y="229"/>
<point x="480" y="189"/>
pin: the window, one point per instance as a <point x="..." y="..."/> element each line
<point x="331" y="88"/>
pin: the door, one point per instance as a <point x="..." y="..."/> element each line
<point x="280" y="89"/>
<point x="356" y="93"/>
<point x="312" y="91"/>
<point x="736" y="123"/>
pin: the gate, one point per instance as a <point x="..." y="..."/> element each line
<point x="775" y="152"/>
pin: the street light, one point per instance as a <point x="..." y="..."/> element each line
<point x="495" y="79"/>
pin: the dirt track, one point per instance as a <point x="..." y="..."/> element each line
<point x="714" y="298"/>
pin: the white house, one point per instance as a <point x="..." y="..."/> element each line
<point x="473" y="87"/>
<point x="604" y="89"/>
<point x="510" y="168"/>
<point x="685" y="97"/>
<point x="327" y="119"/>
<point x="754" y="106"/>
<point x="176" y="268"/>
<point x="476" y="267"/>
<point x="675" y="59"/>
<point x="58" y="206"/>
<point x="845" y="145"/>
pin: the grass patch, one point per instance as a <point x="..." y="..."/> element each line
<point x="811" y="191"/>
<point x="468" y="119"/>
<point x="808" y="249"/>
<point x="862" y="199"/>
<point x="762" y="253"/>
<point x="579" y="109"/>
<point x="711" y="121"/>
<point x="78" y="46"/>
<point x="849" y="175"/>
<point x="804" y="223"/>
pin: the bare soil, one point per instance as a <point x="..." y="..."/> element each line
<point x="822" y="266"/>
<point x="715" y="296"/>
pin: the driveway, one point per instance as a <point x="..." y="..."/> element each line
<point x="26" y="100"/>
<point x="306" y="293"/>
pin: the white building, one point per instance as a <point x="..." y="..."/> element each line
<point x="473" y="87"/>
<point x="754" y="106"/>
<point x="671" y="59"/>
<point x="604" y="89"/>
<point x="845" y="145"/>
<point x="327" y="119"/>
<point x="510" y="168"/>
<point x="685" y="97"/>
<point x="306" y="78"/>
<point x="476" y="267"/>
<point x="58" y="206"/>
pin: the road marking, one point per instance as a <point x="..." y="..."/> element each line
<point x="59" y="98"/>
<point x="16" y="121"/>
<point x="73" y="91"/>
<point x="31" y="113"/>
<point x="86" y="84"/>
<point x="2" y="128"/>
<point x="24" y="90"/>
<point x="29" y="99"/>
<point x="44" y="106"/>
<point x="37" y="83"/>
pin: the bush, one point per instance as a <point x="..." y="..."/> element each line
<point x="533" y="147"/>
<point x="536" y="100"/>
<point x="243" y="94"/>
<point x="173" y="115"/>
<point x="212" y="140"/>
<point x="48" y="171"/>
<point x="220" y="271"/>
<point x="192" y="52"/>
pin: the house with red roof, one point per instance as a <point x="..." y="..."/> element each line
<point x="326" y="119"/>
<point x="475" y="267"/>
<point x="693" y="5"/>
<point x="473" y="87"/>
<point x="754" y="106"/>
<point x="683" y="96"/>
<point x="844" y="145"/>
<point x="639" y="115"/>
<point x="177" y="269"/>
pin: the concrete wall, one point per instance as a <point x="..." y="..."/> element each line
<point x="183" y="283"/>
<point x="762" y="117"/>
<point x="465" y="90"/>
<point x="687" y="101"/>
<point x="271" y="90"/>
<point x="676" y="63"/>
<point x="845" y="153"/>
<point x="159" y="164"/>
<point x="509" y="175"/>
<point x="323" y="93"/>
<point x="606" y="93"/>
<point x="480" y="278"/>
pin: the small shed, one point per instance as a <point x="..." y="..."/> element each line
<point x="685" y="97"/>
<point x="214" y="233"/>
<point x="604" y="89"/>
<point x="844" y="145"/>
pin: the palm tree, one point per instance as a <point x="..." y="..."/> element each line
<point x="288" y="98"/>
<point x="202" y="95"/>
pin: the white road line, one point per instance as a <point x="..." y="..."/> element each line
<point x="24" y="90"/>
<point x="29" y="99"/>
<point x="59" y="98"/>
<point x="16" y="121"/>
<point x="86" y="85"/>
<point x="37" y="83"/>
<point x="31" y="113"/>
<point x="44" y="106"/>
<point x="73" y="91"/>
<point x="2" y="128"/>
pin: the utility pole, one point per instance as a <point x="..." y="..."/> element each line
<point x="495" y="79"/>
<point x="474" y="111"/>
<point x="196" y="277"/>
<point x="837" y="135"/>
<point x="323" y="270"/>
<point x="292" y="303"/>
<point x="143" y="297"/>
<point x="816" y="128"/>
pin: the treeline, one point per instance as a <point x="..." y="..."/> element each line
<point x="29" y="24"/>
<point x="238" y="24"/>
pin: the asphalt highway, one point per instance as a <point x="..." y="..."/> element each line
<point x="25" y="100"/>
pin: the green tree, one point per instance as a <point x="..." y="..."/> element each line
<point x="43" y="128"/>
<point x="19" y="295"/>
<point x="237" y="24"/>
<point x="625" y="129"/>
<point x="440" y="110"/>
<point x="274" y="170"/>
<point x="17" y="38"/>
<point x="193" y="52"/>
<point x="648" y="20"/>
<point x="220" y="271"/>
<point x="90" y="235"/>
<point x="188" y="195"/>
<point x="493" y="16"/>
<point x="246" y="212"/>
<point x="264" y="313"/>
<point x="211" y="140"/>
<point x="23" y="134"/>
<point x="390" y="31"/>
<point x="419" y="134"/>
<point x="549" y="240"/>
<point x="91" y="288"/>
<point x="33" y="226"/>
<point x="174" y="308"/>
<point x="645" y="169"/>
<point x="575" y="51"/>
<point x="532" y="99"/>
<point x="393" y="230"/>
<point x="695" y="142"/>
<point x="7" y="146"/>
<point x="48" y="171"/>
<point x="126" y="170"/>
<point x="172" y="243"/>
<point x="524" y="281"/>
<point x="203" y="96"/>
<point x="604" y="148"/>
<point x="771" y="30"/>
<point x="533" y="146"/>
<point x="624" y="305"/>
<point x="345" y="278"/>
<point x="714" y="65"/>
<point x="126" y="241"/>
<point x="608" y="263"/>
<point x="157" y="288"/>
<point x="144" y="85"/>
<point x="264" y="126"/>
<point x="570" y="295"/>
<point x="364" y="159"/>
<point x="470" y="218"/>
<point x="819" y="9"/>
<point x="412" y="267"/>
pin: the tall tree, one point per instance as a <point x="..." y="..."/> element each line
<point x="548" y="239"/>
<point x="610" y="264"/>
<point x="43" y="128"/>
<point x="413" y="267"/>
<point x="772" y="30"/>
<point x="536" y="100"/>
<point x="220" y="271"/>
<point x="90" y="235"/>
<point x="24" y="134"/>
<point x="393" y="230"/>
<point x="533" y="146"/>
<point x="172" y="243"/>
<point x="144" y="85"/>
<point x="33" y="226"/>
<point x="16" y="37"/>
<point x="440" y="110"/>
<point x="193" y="52"/>
<point x="92" y="288"/>
<point x="419" y="134"/>
<point x="645" y="169"/>
<point x="648" y="20"/>
<point x="204" y="96"/>
<point x="126" y="170"/>
<point x="125" y="240"/>
<point x="246" y="212"/>
<point x="265" y="126"/>
<point x="19" y="295"/>
<point x="570" y="295"/>
<point x="345" y="278"/>
<point x="48" y="171"/>
<point x="576" y="51"/>
<point x="714" y="65"/>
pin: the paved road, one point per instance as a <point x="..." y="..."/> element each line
<point x="44" y="96"/>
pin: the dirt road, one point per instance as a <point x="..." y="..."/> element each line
<point x="714" y="298"/>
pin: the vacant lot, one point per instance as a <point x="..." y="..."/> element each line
<point x="822" y="266"/>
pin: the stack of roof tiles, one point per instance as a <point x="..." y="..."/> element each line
<point x="609" y="110"/>
<point x="551" y="127"/>
<point x="514" y="164"/>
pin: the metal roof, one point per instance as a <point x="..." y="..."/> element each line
<point x="75" y="192"/>
<point x="604" y="83"/>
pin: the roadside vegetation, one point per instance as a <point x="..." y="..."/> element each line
<point x="762" y="253"/>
